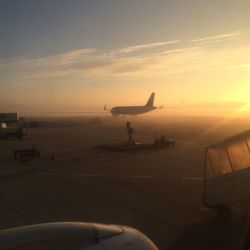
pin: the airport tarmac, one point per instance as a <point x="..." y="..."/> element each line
<point x="157" y="192"/>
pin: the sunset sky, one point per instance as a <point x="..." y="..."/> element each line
<point x="77" y="55"/>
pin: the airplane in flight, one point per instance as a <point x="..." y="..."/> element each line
<point x="134" y="110"/>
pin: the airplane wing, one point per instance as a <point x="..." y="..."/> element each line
<point x="74" y="235"/>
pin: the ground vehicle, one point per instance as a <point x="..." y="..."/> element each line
<point x="24" y="153"/>
<point x="162" y="141"/>
<point x="28" y="124"/>
<point x="8" y="117"/>
<point x="6" y="132"/>
<point x="227" y="174"/>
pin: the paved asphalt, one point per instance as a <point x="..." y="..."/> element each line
<point x="156" y="191"/>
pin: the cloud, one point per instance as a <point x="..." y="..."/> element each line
<point x="220" y="37"/>
<point x="51" y="65"/>
<point x="92" y="62"/>
<point x="145" y="46"/>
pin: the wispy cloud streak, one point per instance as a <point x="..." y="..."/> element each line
<point x="220" y="37"/>
<point x="159" y="60"/>
<point x="146" y="46"/>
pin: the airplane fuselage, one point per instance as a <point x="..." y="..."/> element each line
<point x="134" y="110"/>
<point x="131" y="110"/>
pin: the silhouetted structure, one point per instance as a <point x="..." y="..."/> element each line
<point x="130" y="130"/>
<point x="28" y="124"/>
<point x="134" y="110"/>
<point x="27" y="153"/>
<point x="8" y="117"/>
<point x="7" y="132"/>
<point x="162" y="141"/>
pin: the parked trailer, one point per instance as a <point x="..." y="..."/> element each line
<point x="24" y="123"/>
<point x="26" y="153"/>
<point x="227" y="174"/>
<point x="34" y="124"/>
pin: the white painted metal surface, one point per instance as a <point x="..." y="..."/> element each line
<point x="227" y="173"/>
<point x="74" y="235"/>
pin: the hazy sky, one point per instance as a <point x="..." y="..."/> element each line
<point x="77" y="55"/>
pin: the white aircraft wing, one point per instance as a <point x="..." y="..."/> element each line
<point x="74" y="235"/>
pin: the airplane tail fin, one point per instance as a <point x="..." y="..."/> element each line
<point x="151" y="100"/>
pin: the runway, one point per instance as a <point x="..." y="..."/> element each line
<point x="156" y="192"/>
